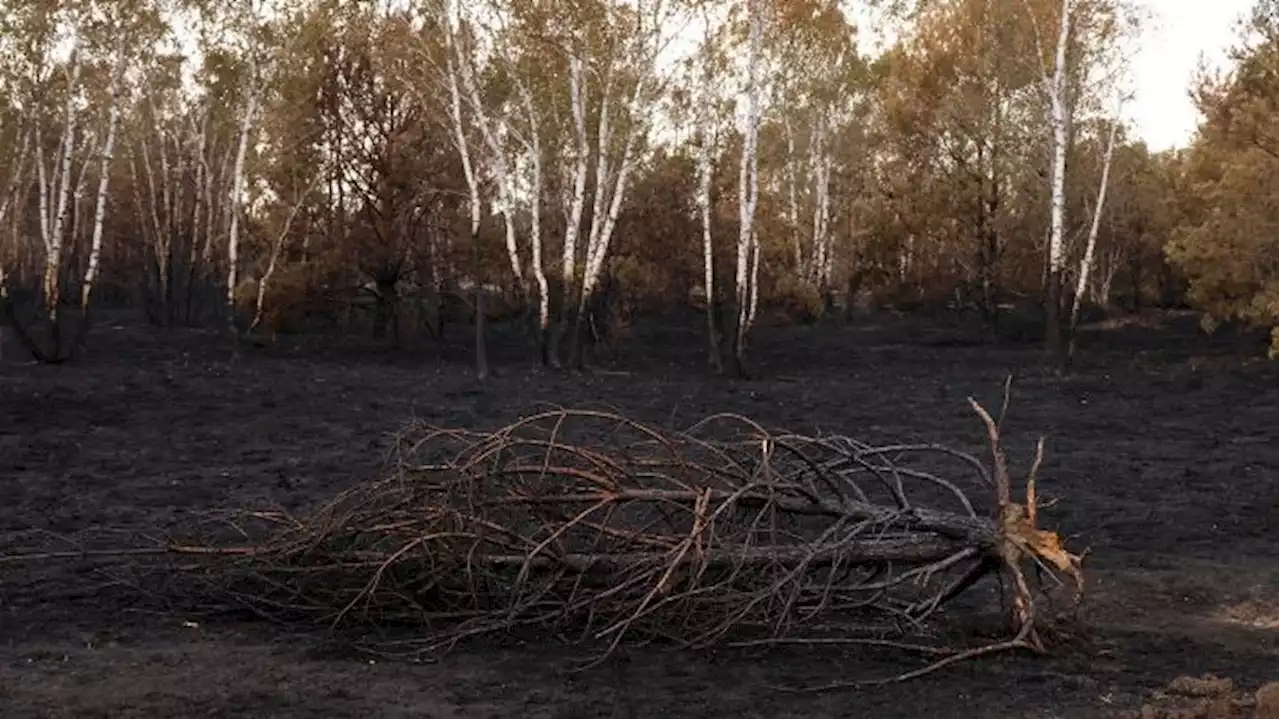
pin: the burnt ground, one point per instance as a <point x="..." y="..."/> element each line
<point x="1163" y="452"/>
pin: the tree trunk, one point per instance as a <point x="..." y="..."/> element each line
<point x="1059" y="119"/>
<point x="100" y="210"/>
<point x="55" y="226"/>
<point x="198" y="204"/>
<point x="536" y="263"/>
<point x="501" y="171"/>
<point x="576" y="204"/>
<point x="237" y="188"/>
<point x="482" y="344"/>
<point x="276" y="249"/>
<point x="473" y="188"/>
<point x="704" y="203"/>
<point x="1086" y="262"/>
<point x="793" y="202"/>
<point x="748" y="193"/>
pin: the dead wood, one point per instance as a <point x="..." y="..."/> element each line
<point x="596" y="527"/>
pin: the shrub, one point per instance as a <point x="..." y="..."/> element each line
<point x="797" y="300"/>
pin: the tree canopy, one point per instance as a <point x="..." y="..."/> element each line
<point x="283" y="165"/>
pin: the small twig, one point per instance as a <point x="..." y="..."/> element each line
<point x="132" y="552"/>
<point x="1004" y="403"/>
<point x="1015" y="643"/>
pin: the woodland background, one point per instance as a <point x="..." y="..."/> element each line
<point x="569" y="167"/>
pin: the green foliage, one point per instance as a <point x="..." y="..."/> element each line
<point x="1227" y="245"/>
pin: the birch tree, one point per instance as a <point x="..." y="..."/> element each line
<point x="531" y="139"/>
<point x="747" y="268"/>
<point x="517" y="119"/>
<point x="1055" y="83"/>
<point x="154" y="166"/>
<point x="605" y="55"/>
<point x="1091" y="243"/>
<point x="54" y="187"/>
<point x="253" y="41"/>
<point x="102" y="44"/>
<point x="452" y="72"/>
<point x="58" y="192"/>
<point x="575" y="202"/>
<point x="650" y="25"/>
<point x="100" y="202"/>
<point x="1090" y="31"/>
<point x="812" y="65"/>
<point x="15" y="144"/>
<point x="706" y="102"/>
<point x="235" y="199"/>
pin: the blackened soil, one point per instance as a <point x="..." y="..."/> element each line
<point x="1162" y="452"/>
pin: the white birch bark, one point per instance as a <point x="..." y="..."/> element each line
<point x="793" y="202"/>
<point x="88" y="144"/>
<point x="705" y="146"/>
<point x="753" y="302"/>
<point x="498" y="155"/>
<point x="160" y="238"/>
<point x="1058" y="117"/>
<point x="460" y="131"/>
<point x="817" y="159"/>
<point x="201" y="168"/>
<point x="54" y="227"/>
<point x="598" y="248"/>
<point x="906" y="258"/>
<point x="535" y="210"/>
<point x="167" y="200"/>
<point x="1086" y="261"/>
<point x="276" y="248"/>
<point x="473" y="187"/>
<point x="748" y="188"/>
<point x="533" y="147"/>
<point x="100" y="210"/>
<point x="237" y="189"/>
<point x="573" y="226"/>
<point x="599" y="199"/>
<point x="595" y="264"/>
<point x="42" y="190"/>
<point x="824" y="213"/>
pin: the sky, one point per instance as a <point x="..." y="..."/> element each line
<point x="1169" y="51"/>
<point x="1177" y="34"/>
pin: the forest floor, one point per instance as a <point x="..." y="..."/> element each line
<point x="1162" y="451"/>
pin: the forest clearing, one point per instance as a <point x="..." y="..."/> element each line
<point x="1159" y="461"/>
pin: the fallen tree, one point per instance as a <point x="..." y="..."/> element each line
<point x="599" y="528"/>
